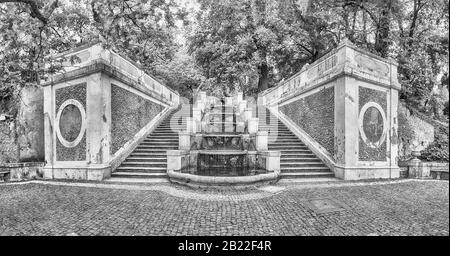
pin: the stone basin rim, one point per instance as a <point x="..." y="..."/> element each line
<point x="222" y="180"/>
<point x="224" y="152"/>
<point x="222" y="135"/>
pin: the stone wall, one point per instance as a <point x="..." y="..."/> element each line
<point x="22" y="132"/>
<point x="31" y="125"/>
<point x="23" y="171"/>
<point x="9" y="149"/>
<point x="129" y="114"/>
<point x="315" y="115"/>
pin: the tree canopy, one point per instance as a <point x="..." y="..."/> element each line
<point x="230" y="44"/>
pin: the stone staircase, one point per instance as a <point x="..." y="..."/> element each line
<point x="297" y="160"/>
<point x="149" y="159"/>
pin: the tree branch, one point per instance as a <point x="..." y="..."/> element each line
<point x="35" y="12"/>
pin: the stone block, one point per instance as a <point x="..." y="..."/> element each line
<point x="184" y="140"/>
<point x="262" y="140"/>
<point x="253" y="125"/>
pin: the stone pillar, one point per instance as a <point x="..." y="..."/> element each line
<point x="261" y="100"/>
<point x="98" y="118"/>
<point x="242" y="106"/>
<point x="191" y="125"/>
<point x="228" y="101"/>
<point x="48" y="131"/>
<point x="261" y="140"/>
<point x="31" y="124"/>
<point x="247" y="114"/>
<point x="272" y="160"/>
<point x="98" y="123"/>
<point x="174" y="160"/>
<point x="196" y="114"/>
<point x="253" y="125"/>
<point x="240" y="127"/>
<point x="184" y="140"/>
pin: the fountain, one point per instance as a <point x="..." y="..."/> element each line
<point x="222" y="146"/>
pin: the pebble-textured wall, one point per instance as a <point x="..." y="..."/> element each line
<point x="9" y="149"/>
<point x="367" y="153"/>
<point x="315" y="115"/>
<point x="129" y="114"/>
<point x="77" y="153"/>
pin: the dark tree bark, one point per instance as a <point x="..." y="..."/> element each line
<point x="263" y="82"/>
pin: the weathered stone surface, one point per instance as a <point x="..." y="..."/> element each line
<point x="129" y="114"/>
<point x="9" y="150"/>
<point x="31" y="125"/>
<point x="315" y="115"/>
<point x="76" y="92"/>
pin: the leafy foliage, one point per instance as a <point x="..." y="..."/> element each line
<point x="439" y="149"/>
<point x="34" y="30"/>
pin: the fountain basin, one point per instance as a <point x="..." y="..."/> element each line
<point x="201" y="181"/>
<point x="195" y="168"/>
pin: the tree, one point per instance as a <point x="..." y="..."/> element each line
<point x="32" y="30"/>
<point x="255" y="38"/>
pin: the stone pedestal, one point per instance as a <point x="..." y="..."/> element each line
<point x="240" y="127"/>
<point x="247" y="114"/>
<point x="174" y="160"/>
<point x="261" y="140"/>
<point x="184" y="140"/>
<point x="228" y="101"/>
<point x="242" y="106"/>
<point x="253" y="125"/>
<point x="272" y="160"/>
<point x="197" y="114"/>
<point x="192" y="125"/>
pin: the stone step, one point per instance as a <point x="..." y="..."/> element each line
<point x="162" y="136"/>
<point x="139" y="180"/>
<point x="140" y="169"/>
<point x="145" y="159"/>
<point x="149" y="151"/>
<point x="148" y="163"/>
<point x="305" y="169"/>
<point x="138" y="175"/>
<point x="301" y="164"/>
<point x="298" y="159"/>
<point x="295" y="151"/>
<point x="287" y="144"/>
<point x="160" y="140"/>
<point x="287" y="175"/>
<point x="159" y="143"/>
<point x="168" y="147"/>
<point x="162" y="154"/>
<point x="296" y="155"/>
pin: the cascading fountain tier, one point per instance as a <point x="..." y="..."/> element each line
<point x="224" y="151"/>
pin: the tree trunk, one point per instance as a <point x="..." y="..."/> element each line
<point x="382" y="34"/>
<point x="263" y="82"/>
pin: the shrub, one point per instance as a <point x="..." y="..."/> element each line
<point x="438" y="150"/>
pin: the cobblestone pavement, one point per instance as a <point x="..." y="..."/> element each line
<point x="399" y="208"/>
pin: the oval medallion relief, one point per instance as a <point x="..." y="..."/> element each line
<point x="372" y="124"/>
<point x="70" y="123"/>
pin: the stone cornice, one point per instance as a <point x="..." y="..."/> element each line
<point x="101" y="66"/>
<point x="349" y="56"/>
<point x="349" y="72"/>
